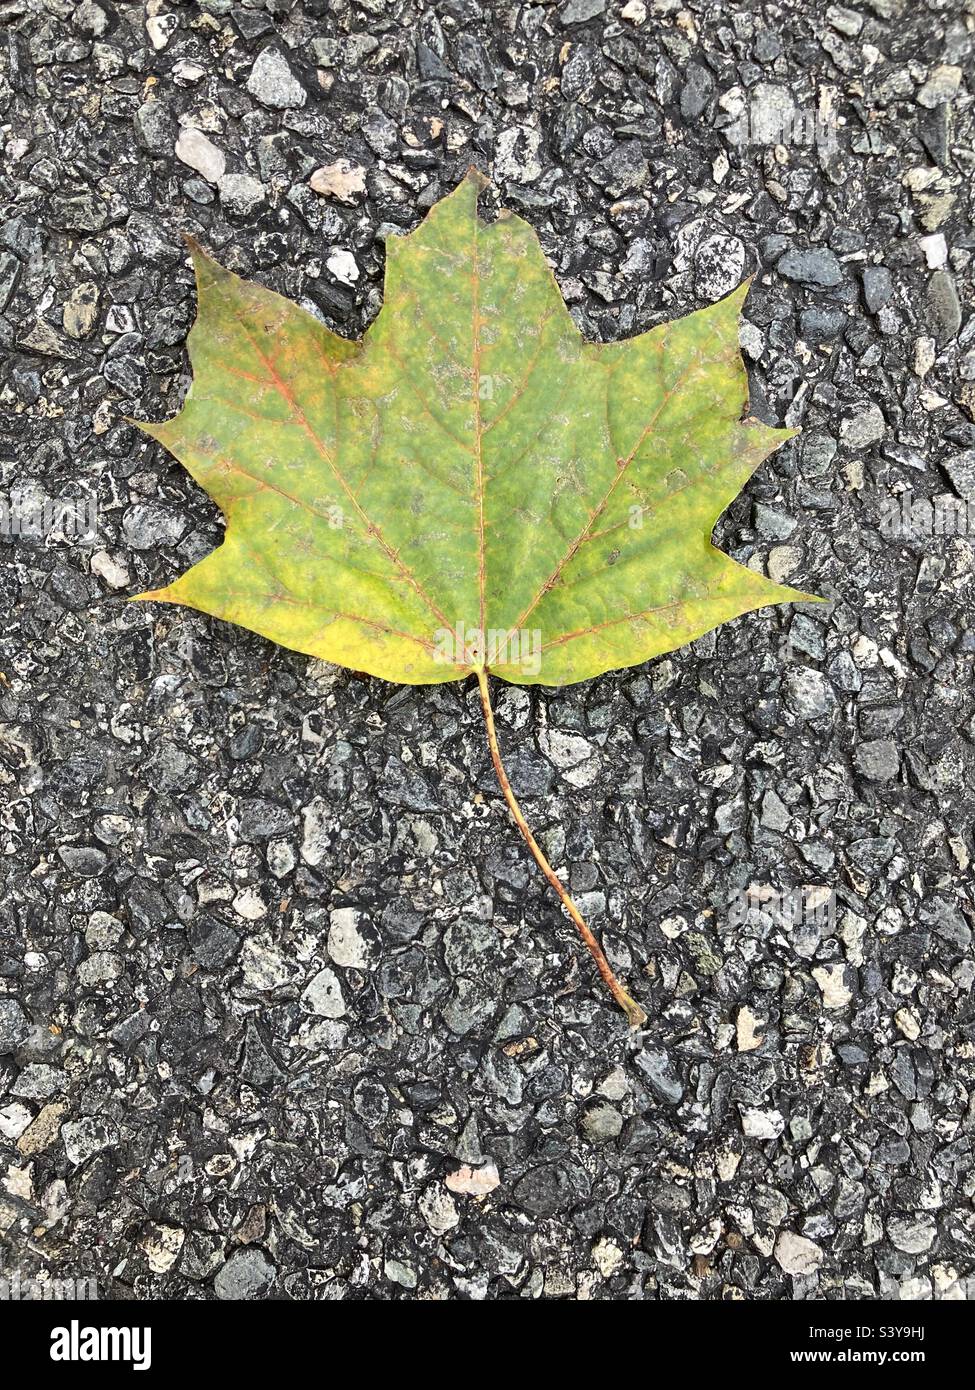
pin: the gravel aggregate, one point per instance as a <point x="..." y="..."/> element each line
<point x="285" y="1010"/>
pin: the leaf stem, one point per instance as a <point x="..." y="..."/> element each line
<point x="635" y="1015"/>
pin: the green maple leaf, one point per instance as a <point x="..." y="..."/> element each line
<point x="471" y="487"/>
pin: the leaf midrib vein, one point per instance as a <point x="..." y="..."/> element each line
<point x="478" y="429"/>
